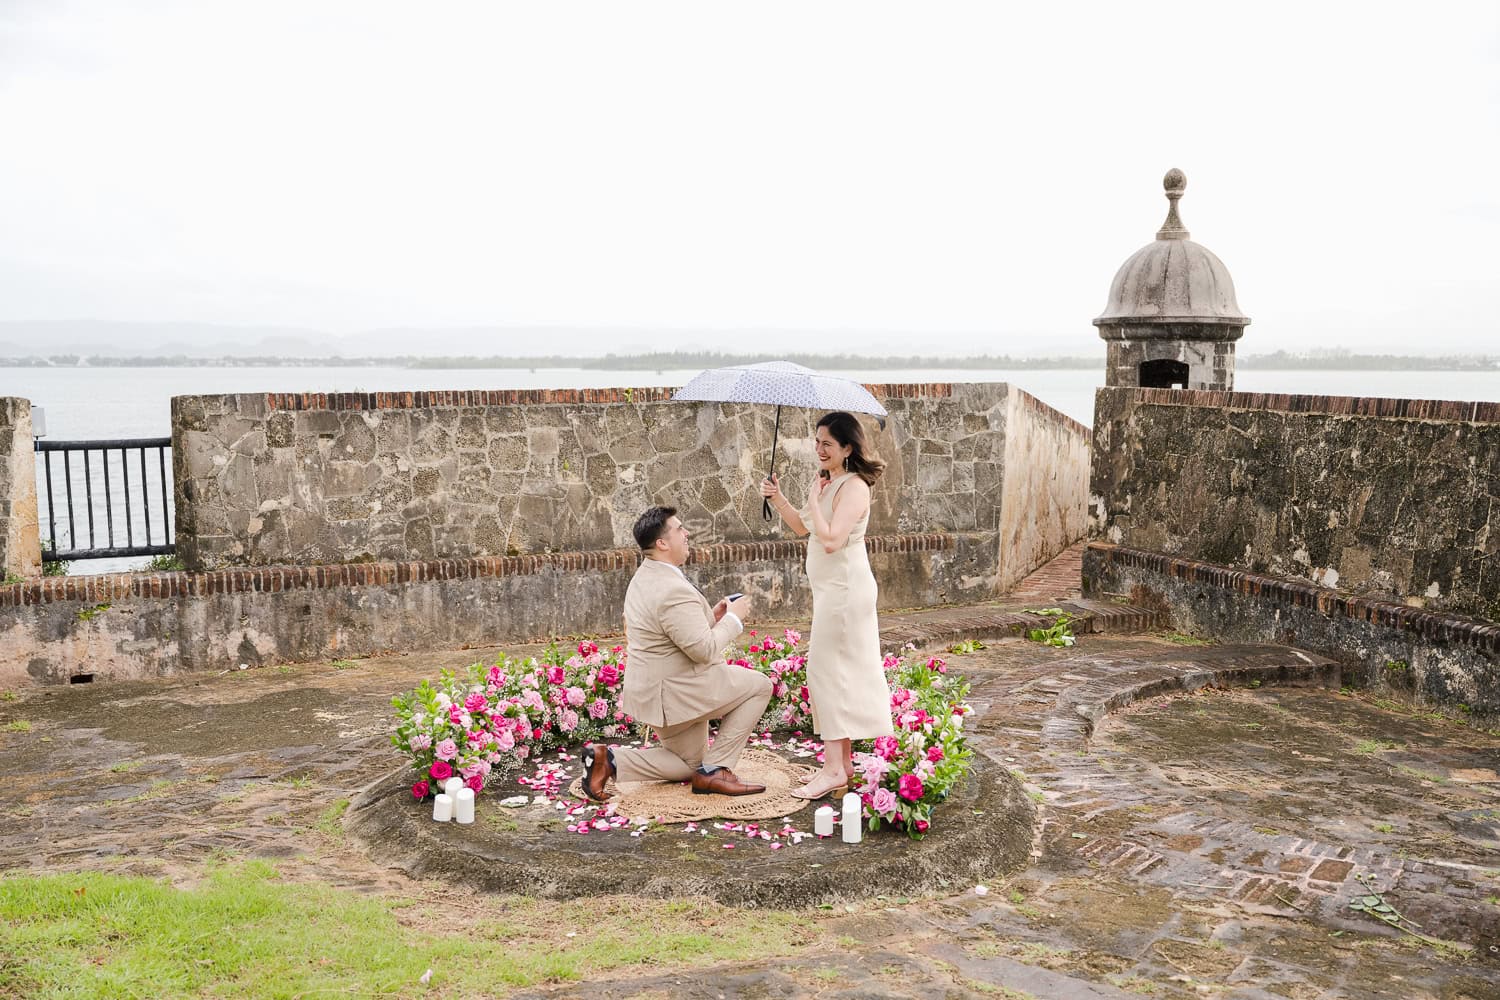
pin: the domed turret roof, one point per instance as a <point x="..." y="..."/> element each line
<point x="1172" y="279"/>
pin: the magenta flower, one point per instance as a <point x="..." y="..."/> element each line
<point x="609" y="675"/>
<point x="476" y="702"/>
<point x="447" y="750"/>
<point x="555" y="675"/>
<point x="910" y="787"/>
<point x="441" y="770"/>
<point x="476" y="783"/>
<point x="887" y="747"/>
<point x="419" y="791"/>
<point x="934" y="753"/>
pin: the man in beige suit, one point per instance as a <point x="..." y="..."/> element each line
<point x="676" y="679"/>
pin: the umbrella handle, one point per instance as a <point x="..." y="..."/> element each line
<point x="765" y="504"/>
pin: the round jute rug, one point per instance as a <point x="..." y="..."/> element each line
<point x="674" y="802"/>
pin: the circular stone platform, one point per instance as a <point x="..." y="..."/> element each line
<point x="983" y="831"/>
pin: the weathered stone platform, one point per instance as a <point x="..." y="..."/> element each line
<point x="983" y="831"/>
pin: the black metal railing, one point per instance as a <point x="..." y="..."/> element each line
<point x="99" y="493"/>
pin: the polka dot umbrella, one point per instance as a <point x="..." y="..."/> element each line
<point x="778" y="384"/>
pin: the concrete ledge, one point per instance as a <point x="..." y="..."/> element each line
<point x="539" y="859"/>
<point x="1434" y="656"/>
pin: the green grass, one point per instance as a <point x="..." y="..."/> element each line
<point x="328" y="822"/>
<point x="124" y="766"/>
<point x="242" y="933"/>
<point x="344" y="664"/>
<point x="19" y="726"/>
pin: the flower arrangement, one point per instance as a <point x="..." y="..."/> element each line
<point x="488" y="720"/>
<point x="494" y="717"/>
<point x="904" y="776"/>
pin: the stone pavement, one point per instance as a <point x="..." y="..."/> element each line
<point x="1205" y="814"/>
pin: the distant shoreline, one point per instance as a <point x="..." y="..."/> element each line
<point x="682" y="360"/>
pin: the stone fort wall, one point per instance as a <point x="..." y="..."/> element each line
<point x="1367" y="530"/>
<point x="349" y="525"/>
<point x="1396" y="499"/>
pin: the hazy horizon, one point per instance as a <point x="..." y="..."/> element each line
<point x="965" y="178"/>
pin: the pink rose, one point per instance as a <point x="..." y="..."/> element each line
<point x="419" y="741"/>
<point x="887" y="747"/>
<point x="447" y="750"/>
<point x="522" y="752"/>
<point x="587" y="648"/>
<point x="922" y="825"/>
<point x="884" y="802"/>
<point x="554" y="675"/>
<point x="934" y="753"/>
<point x="609" y="675"/>
<point x="575" y="696"/>
<point x="475" y="702"/>
<point x="568" y="721"/>
<point x="441" y="770"/>
<point x="476" y="783"/>
<point x="599" y="709"/>
<point x="910" y="787"/>
<point x="419" y="791"/>
<point x="505" y="741"/>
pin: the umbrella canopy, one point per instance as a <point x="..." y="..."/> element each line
<point x="778" y="384"/>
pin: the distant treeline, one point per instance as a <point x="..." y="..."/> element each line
<point x="1335" y="360"/>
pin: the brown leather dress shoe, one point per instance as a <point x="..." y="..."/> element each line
<point x="722" y="782"/>
<point x="598" y="774"/>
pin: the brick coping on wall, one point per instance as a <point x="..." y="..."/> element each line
<point x="1032" y="403"/>
<point x="271" y="579"/>
<point x="522" y="397"/>
<point x="1438" y="625"/>
<point x="1355" y="406"/>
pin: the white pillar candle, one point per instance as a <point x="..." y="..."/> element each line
<point x="463" y="806"/>
<point x="852" y="821"/>
<point x="442" y="807"/>
<point x="452" y="785"/>
<point x="823" y="821"/>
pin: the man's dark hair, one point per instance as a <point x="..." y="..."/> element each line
<point x="650" y="525"/>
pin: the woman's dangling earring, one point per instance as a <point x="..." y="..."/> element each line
<point x="846" y="463"/>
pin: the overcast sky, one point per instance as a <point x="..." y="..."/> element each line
<point x="936" y="177"/>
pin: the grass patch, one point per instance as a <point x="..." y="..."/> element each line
<point x="241" y="932"/>
<point x="124" y="766"/>
<point x="344" y="664"/>
<point x="329" y="824"/>
<point x="1383" y="828"/>
<point x="18" y="726"/>
<point x="7" y="695"/>
<point x="1375" y="746"/>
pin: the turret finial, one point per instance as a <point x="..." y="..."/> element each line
<point x="1175" y="182"/>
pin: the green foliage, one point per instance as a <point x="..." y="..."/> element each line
<point x="166" y="563"/>
<point x="966" y="646"/>
<point x="1059" y="633"/>
<point x="59" y="568"/>
<point x="19" y="726"/>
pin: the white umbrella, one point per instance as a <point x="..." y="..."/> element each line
<point x="778" y="384"/>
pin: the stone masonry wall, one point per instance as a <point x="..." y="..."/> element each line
<point x="1044" y="490"/>
<point x="315" y="479"/>
<point x="20" y="547"/>
<point x="1387" y="498"/>
<point x="134" y="625"/>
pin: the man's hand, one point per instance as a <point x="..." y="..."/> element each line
<point x="719" y="610"/>
<point x="740" y="608"/>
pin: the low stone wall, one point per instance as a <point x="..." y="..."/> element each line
<point x="132" y="625"/>
<point x="1044" y="489"/>
<point x="313" y="478"/>
<point x="1395" y="499"/>
<point x="20" y="547"/>
<point x="1430" y="656"/>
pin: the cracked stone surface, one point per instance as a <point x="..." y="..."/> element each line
<point x="1205" y="814"/>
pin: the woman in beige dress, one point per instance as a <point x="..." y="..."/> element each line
<point x="845" y="672"/>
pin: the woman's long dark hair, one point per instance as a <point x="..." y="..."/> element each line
<point x="845" y="429"/>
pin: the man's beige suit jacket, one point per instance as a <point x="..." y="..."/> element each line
<point x="672" y="645"/>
